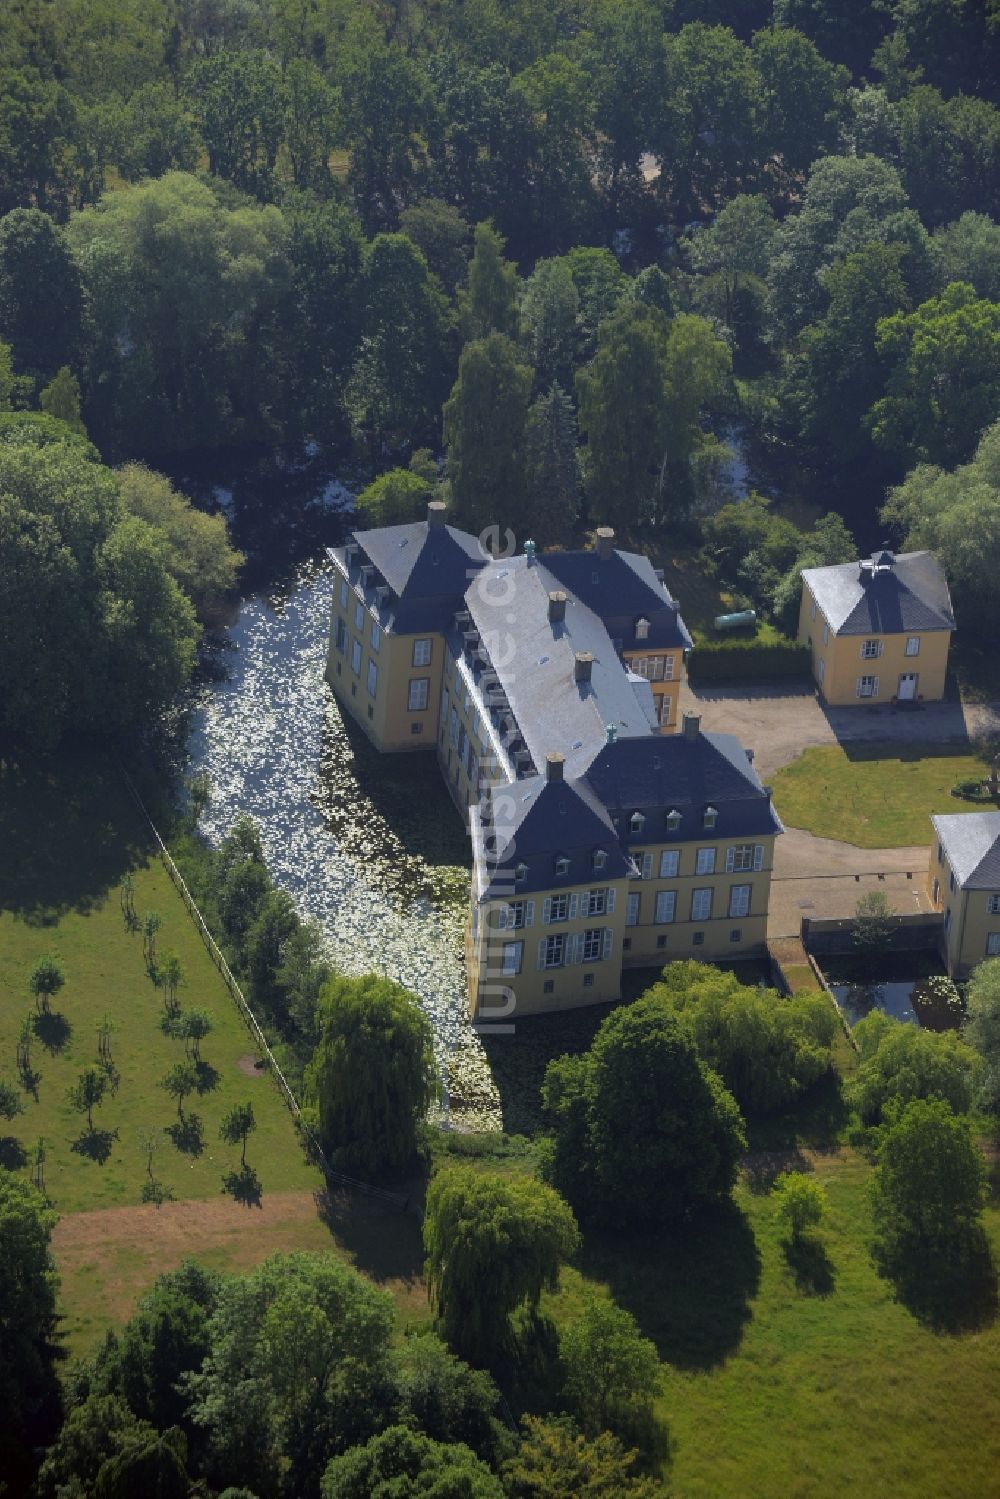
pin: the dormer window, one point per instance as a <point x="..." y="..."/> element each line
<point x="521" y="872"/>
<point x="600" y="858"/>
<point x="672" y="820"/>
<point x="562" y="865"/>
<point x="710" y="817"/>
<point x="637" y="822"/>
<point x="642" y="629"/>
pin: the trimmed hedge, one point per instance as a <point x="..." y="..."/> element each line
<point x="724" y="660"/>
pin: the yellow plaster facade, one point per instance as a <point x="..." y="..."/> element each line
<point x="854" y="669"/>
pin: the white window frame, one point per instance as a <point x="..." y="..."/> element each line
<point x="666" y="907"/>
<point x="670" y="863"/>
<point x="422" y="651"/>
<point x="871" y="649"/>
<point x="705" y="861"/>
<point x="372" y="679"/>
<point x="356" y="657"/>
<point x="600" y="858"/>
<point x="745" y="858"/>
<point x="672" y="820"/>
<point x="344" y="593"/>
<point x="993" y="905"/>
<point x="864" y="691"/>
<point x="591" y="947"/>
<point x="912" y="645"/>
<point x="739" y="900"/>
<point x="993" y="944"/>
<point x="595" y="902"/>
<point x="552" y="951"/>
<point x="512" y="959"/>
<point x="376" y="634"/>
<point x="637" y="822"/>
<point x="701" y="903"/>
<point x="812" y="610"/>
<point x="826" y="633"/>
<point x="710" y="817"/>
<point x="632" y="908"/>
<point x="341" y="636"/>
<point x="418" y="694"/>
<point x="359" y="615"/>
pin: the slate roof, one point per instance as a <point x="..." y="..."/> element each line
<point x="971" y="841"/>
<point x="909" y="596"/>
<point x="621" y="589"/>
<point x="428" y="569"/>
<point x="534" y="659"/>
<point x="674" y="772"/>
<point x="535" y="821"/>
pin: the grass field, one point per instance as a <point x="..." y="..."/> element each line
<point x="780" y="1382"/>
<point x="870" y="794"/>
<point x="63" y="898"/>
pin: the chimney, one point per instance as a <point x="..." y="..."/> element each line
<point x="529" y="551"/>
<point x="436" y="510"/>
<point x="557" y="607"/>
<point x="605" y="542"/>
<point x="582" y="666"/>
<point x="692" y="725"/>
<point x="611" y="730"/>
<point x="554" y="765"/>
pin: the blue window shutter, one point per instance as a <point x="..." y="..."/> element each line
<point x="611" y="898"/>
<point x="529" y="913"/>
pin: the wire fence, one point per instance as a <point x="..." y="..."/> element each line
<point x="315" y="1149"/>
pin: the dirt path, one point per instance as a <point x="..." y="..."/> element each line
<point x="108" y="1258"/>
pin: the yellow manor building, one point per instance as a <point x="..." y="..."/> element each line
<point x="604" y="833"/>
<point x="878" y="630"/>
<point x="964" y="885"/>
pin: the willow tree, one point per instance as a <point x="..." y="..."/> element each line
<point x="493" y="1244"/>
<point x="372" y="1075"/>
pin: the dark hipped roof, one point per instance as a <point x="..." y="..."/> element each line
<point x="909" y="595"/>
<point x="621" y="589"/>
<point x="427" y="567"/>
<point x="536" y="821"/>
<point x="674" y="772"/>
<point x="971" y="841"/>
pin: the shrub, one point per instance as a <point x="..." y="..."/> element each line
<point x="801" y="1202"/>
<point x="721" y="660"/>
<point x="900" y="1063"/>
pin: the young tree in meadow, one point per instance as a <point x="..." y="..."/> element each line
<point x="493" y="1244"/>
<point x="45" y="980"/>
<point x="195" y="1026"/>
<point x="613" y="1373"/>
<point x="180" y="1082"/>
<point x="237" y="1126"/>
<point x="372" y="1074"/>
<point x="800" y="1202"/>
<point x="151" y="923"/>
<point x="11" y="1102"/>
<point x="88" y="1092"/>
<point x="171" y="975"/>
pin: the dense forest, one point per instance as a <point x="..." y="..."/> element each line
<point x="563" y="243"/>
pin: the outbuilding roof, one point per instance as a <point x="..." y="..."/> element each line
<point x="971" y="842"/>
<point x="886" y="595"/>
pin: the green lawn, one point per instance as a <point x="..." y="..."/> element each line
<point x="68" y="836"/>
<point x="818" y="1384"/>
<point x="872" y="795"/>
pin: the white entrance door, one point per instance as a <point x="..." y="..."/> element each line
<point x="907" y="686"/>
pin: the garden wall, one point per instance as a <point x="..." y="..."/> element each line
<point x="725" y="660"/>
<point x="910" y="933"/>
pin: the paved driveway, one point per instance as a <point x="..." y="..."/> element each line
<point x="821" y="877"/>
<point x="778" y="722"/>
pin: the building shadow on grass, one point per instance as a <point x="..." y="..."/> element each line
<point x="52" y="1029"/>
<point x="13" y="1155"/>
<point x="188" y="1134"/>
<point x="95" y="1144"/>
<point x="689" y="1287"/>
<point x="243" y="1186"/>
<point x="68" y="831"/>
<point x="811" y="1266"/>
<point x="385" y="1241"/>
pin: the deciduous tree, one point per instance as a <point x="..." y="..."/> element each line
<point x="484" y="426"/>
<point x="400" y="1461"/>
<point x="29" y="1340"/>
